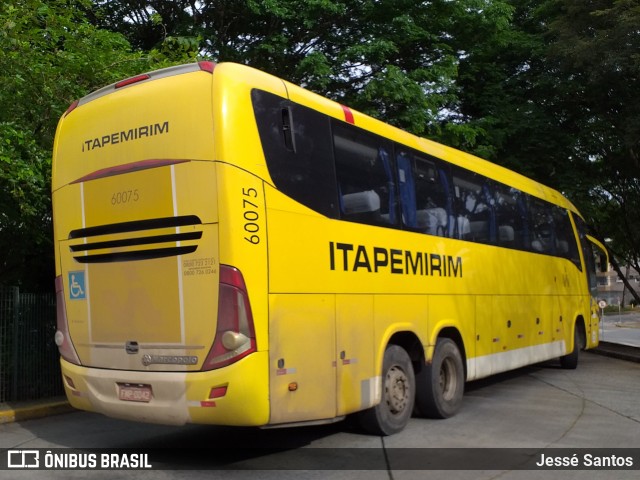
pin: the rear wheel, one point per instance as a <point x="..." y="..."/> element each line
<point x="440" y="386"/>
<point x="398" y="395"/>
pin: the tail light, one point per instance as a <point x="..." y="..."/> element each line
<point x="62" y="337"/>
<point x="235" y="335"/>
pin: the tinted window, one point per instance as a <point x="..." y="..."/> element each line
<point x="366" y="182"/>
<point x="424" y="194"/>
<point x="565" y="238"/>
<point x="296" y="141"/>
<point x="474" y="206"/>
<point x="511" y="217"/>
<point x="542" y="229"/>
<point x="587" y="252"/>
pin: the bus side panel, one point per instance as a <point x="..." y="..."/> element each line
<point x="452" y="311"/>
<point x="574" y="306"/>
<point x="357" y="376"/>
<point x="513" y="331"/>
<point x="397" y="313"/>
<point x="481" y="365"/>
<point x="302" y="357"/>
<point x="593" y="325"/>
<point x="243" y="239"/>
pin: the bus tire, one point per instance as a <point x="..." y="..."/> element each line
<point x="570" y="361"/>
<point x="392" y="414"/>
<point x="440" y="386"/>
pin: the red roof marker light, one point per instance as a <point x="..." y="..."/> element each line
<point x="206" y="66"/>
<point x="129" y="81"/>
<point x="72" y="107"/>
<point x="348" y="115"/>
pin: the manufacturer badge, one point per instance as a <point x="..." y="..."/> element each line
<point x="169" y="360"/>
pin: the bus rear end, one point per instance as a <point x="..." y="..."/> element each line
<point x="152" y="324"/>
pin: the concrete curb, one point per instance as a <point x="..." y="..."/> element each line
<point x="32" y="410"/>
<point x="615" y="350"/>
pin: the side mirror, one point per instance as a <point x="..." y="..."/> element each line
<point x="601" y="250"/>
<point x="603" y="263"/>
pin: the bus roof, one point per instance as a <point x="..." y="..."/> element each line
<point x="255" y="78"/>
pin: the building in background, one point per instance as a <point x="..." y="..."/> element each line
<point x="611" y="288"/>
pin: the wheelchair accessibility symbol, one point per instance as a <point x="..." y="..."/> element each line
<point x="77" y="290"/>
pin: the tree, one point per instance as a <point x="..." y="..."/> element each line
<point x="596" y="45"/>
<point x="49" y="55"/>
<point x="556" y="100"/>
<point x="393" y="59"/>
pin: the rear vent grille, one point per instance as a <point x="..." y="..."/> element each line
<point x="139" y="240"/>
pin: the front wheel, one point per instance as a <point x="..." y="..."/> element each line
<point x="440" y="386"/>
<point x="398" y="395"/>
<point x="570" y="361"/>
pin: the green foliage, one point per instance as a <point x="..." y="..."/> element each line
<point x="393" y="59"/>
<point x="594" y="46"/>
<point x="49" y="55"/>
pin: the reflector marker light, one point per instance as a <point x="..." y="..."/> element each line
<point x="348" y="115"/>
<point x="217" y="392"/>
<point x="69" y="382"/>
<point x="72" y="107"/>
<point x="132" y="80"/>
<point x="207" y="66"/>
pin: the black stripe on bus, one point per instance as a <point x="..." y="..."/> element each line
<point x="125" y="227"/>
<point x="137" y="255"/>
<point x="130" y="242"/>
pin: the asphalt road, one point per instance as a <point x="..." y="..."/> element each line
<point x="623" y="329"/>
<point x="534" y="409"/>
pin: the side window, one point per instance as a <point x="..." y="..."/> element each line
<point x="425" y="201"/>
<point x="588" y="254"/>
<point x="543" y="238"/>
<point x="475" y="207"/>
<point x="296" y="141"/>
<point x="565" y="238"/>
<point x="511" y="217"/>
<point x="365" y="173"/>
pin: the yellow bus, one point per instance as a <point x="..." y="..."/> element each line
<point x="232" y="249"/>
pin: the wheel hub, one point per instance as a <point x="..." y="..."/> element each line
<point x="397" y="390"/>
<point x="447" y="379"/>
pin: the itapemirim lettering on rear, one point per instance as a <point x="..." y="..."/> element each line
<point x="124" y="136"/>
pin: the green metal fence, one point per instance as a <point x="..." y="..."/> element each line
<point x="29" y="360"/>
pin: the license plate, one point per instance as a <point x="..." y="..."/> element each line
<point x="134" y="393"/>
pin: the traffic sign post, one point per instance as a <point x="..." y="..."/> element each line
<point x="602" y="304"/>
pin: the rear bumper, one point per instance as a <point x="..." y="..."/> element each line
<point x="178" y="397"/>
